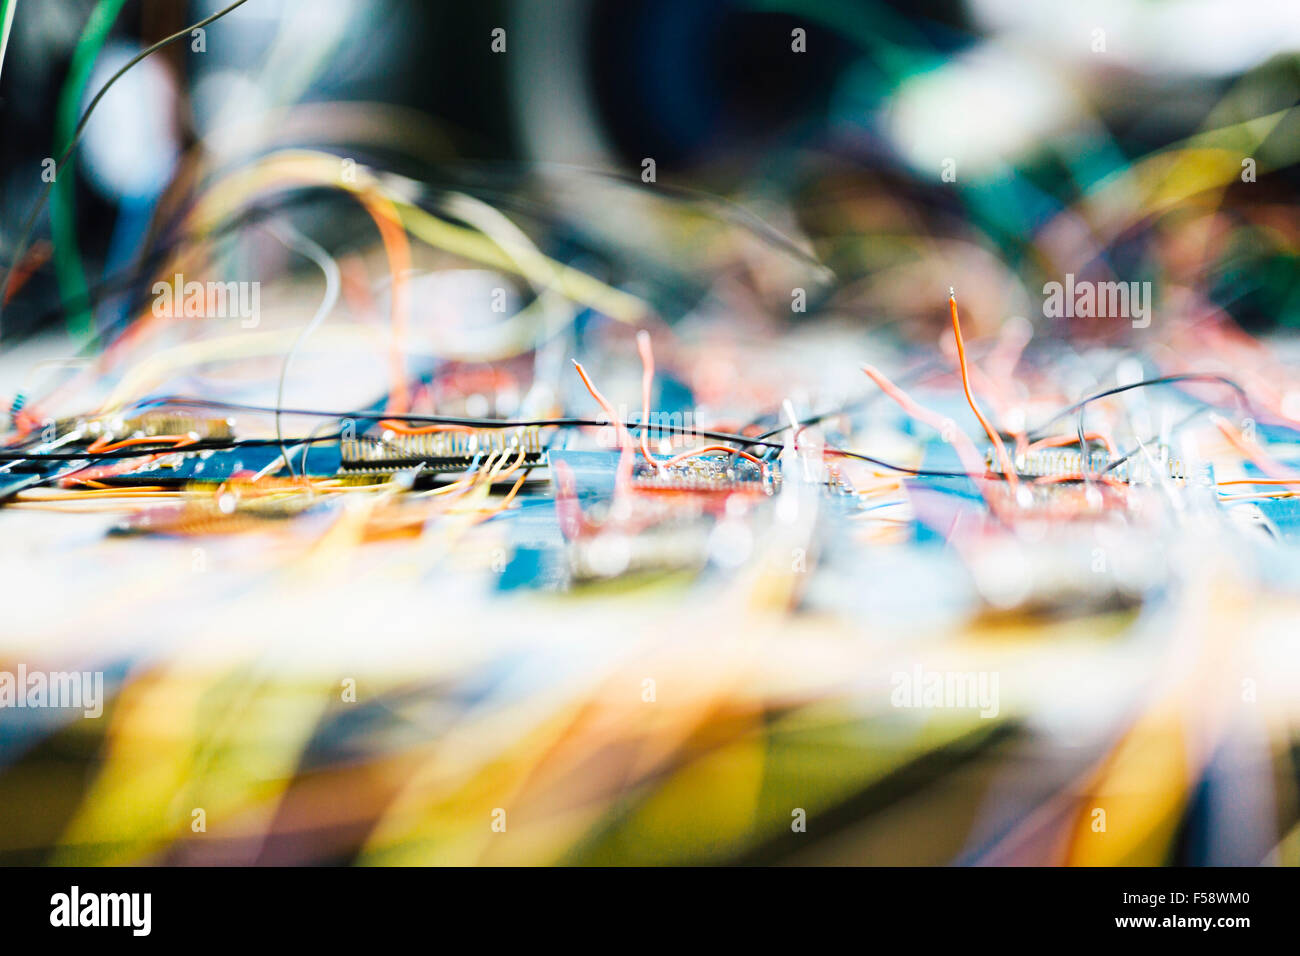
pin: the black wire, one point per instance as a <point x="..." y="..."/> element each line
<point x="1078" y="406"/>
<point x="24" y="237"/>
<point x="1161" y="380"/>
<point x="141" y="451"/>
<point x="857" y="404"/>
<point x="372" y="415"/>
<point x="1187" y="418"/>
<point x="917" y="472"/>
<point x="1085" y="457"/>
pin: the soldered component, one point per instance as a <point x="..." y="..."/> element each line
<point x="1137" y="469"/>
<point x="439" y="451"/>
<point x="169" y="423"/>
<point x="712" y="474"/>
<point x="116" y="428"/>
<point x="237" y="506"/>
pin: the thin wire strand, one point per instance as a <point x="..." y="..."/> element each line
<point x="25" y="235"/>
<point x="1004" y="461"/>
<point x="308" y="248"/>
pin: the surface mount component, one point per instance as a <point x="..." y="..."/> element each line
<point x="440" y="451"/>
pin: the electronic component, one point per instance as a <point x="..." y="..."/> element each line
<point x="706" y="474"/>
<point x="236" y="506"/>
<point x="440" y="451"/>
<point x="151" y="424"/>
<point x="1066" y="463"/>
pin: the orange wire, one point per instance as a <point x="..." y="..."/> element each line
<point x="402" y="428"/>
<point x="101" y="445"/>
<point x="1077" y="476"/>
<point x="1266" y="464"/>
<point x="1261" y="481"/>
<point x="398" y="253"/>
<point x="510" y="496"/>
<point x="519" y="462"/>
<point x="36" y="257"/>
<point x="624" y="436"/>
<point x="1059" y="441"/>
<point x="762" y="467"/>
<point x="970" y="458"/>
<point x="92" y="472"/>
<point x="647" y="379"/>
<point x="1003" y="461"/>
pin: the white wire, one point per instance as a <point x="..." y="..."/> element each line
<point x="304" y="246"/>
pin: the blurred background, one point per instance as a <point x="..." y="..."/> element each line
<point x="977" y="125"/>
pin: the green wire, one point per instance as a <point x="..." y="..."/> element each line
<point x="68" y="267"/>
<point x="29" y="226"/>
<point x="7" y="8"/>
